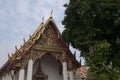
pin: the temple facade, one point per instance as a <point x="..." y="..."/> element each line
<point x="44" y="56"/>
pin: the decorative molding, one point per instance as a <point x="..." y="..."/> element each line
<point x="49" y="38"/>
<point x="47" y="48"/>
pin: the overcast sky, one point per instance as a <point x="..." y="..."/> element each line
<point x="20" y="18"/>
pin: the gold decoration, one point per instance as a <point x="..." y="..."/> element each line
<point x="16" y="48"/>
<point x="9" y="56"/>
<point x="43" y="19"/>
<point x="20" y="45"/>
<point x="51" y="13"/>
<point x="24" y="40"/>
<point x="30" y="36"/>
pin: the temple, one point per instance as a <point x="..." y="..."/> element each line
<point x="44" y="56"/>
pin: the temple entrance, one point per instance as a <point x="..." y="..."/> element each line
<point x="47" y="68"/>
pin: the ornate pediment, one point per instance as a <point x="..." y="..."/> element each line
<point x="49" y="38"/>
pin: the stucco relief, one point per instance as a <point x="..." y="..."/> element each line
<point x="49" y="38"/>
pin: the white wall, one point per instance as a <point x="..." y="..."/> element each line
<point x="50" y="67"/>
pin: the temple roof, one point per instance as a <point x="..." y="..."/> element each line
<point x="19" y="53"/>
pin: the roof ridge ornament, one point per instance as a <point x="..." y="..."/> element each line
<point x="16" y="48"/>
<point x="30" y="36"/>
<point x="21" y="46"/>
<point x="9" y="56"/>
<point x="24" y="40"/>
<point x="51" y="13"/>
<point x="80" y="61"/>
<point x="74" y="54"/>
<point x="42" y="19"/>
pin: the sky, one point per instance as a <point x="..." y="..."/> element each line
<point x="20" y="18"/>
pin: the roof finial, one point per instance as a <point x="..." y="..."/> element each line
<point x="16" y="48"/>
<point x="21" y="45"/>
<point x="75" y="54"/>
<point x="8" y="55"/>
<point x="24" y="40"/>
<point x="30" y="36"/>
<point x="80" y="61"/>
<point x="51" y="13"/>
<point x="12" y="54"/>
<point x="43" y="19"/>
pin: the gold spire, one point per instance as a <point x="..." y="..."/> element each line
<point x="24" y="40"/>
<point x="21" y="45"/>
<point x="43" y="19"/>
<point x="30" y="36"/>
<point x="16" y="48"/>
<point x="80" y="61"/>
<point x="51" y="13"/>
<point x="8" y="55"/>
<point x="12" y="54"/>
<point x="75" y="54"/>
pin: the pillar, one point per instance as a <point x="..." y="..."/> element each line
<point x="21" y="74"/>
<point x="70" y="67"/>
<point x="3" y="78"/>
<point x="71" y="75"/>
<point x="65" y="74"/>
<point x="30" y="69"/>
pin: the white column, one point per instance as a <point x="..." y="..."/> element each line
<point x="65" y="74"/>
<point x="8" y="77"/>
<point x="30" y="69"/>
<point x="3" y="78"/>
<point x="71" y="75"/>
<point x="21" y="74"/>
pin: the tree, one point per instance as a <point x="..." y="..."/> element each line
<point x="93" y="27"/>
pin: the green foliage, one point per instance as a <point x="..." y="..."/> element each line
<point x="93" y="27"/>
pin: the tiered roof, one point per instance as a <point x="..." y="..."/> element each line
<point x="19" y="53"/>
